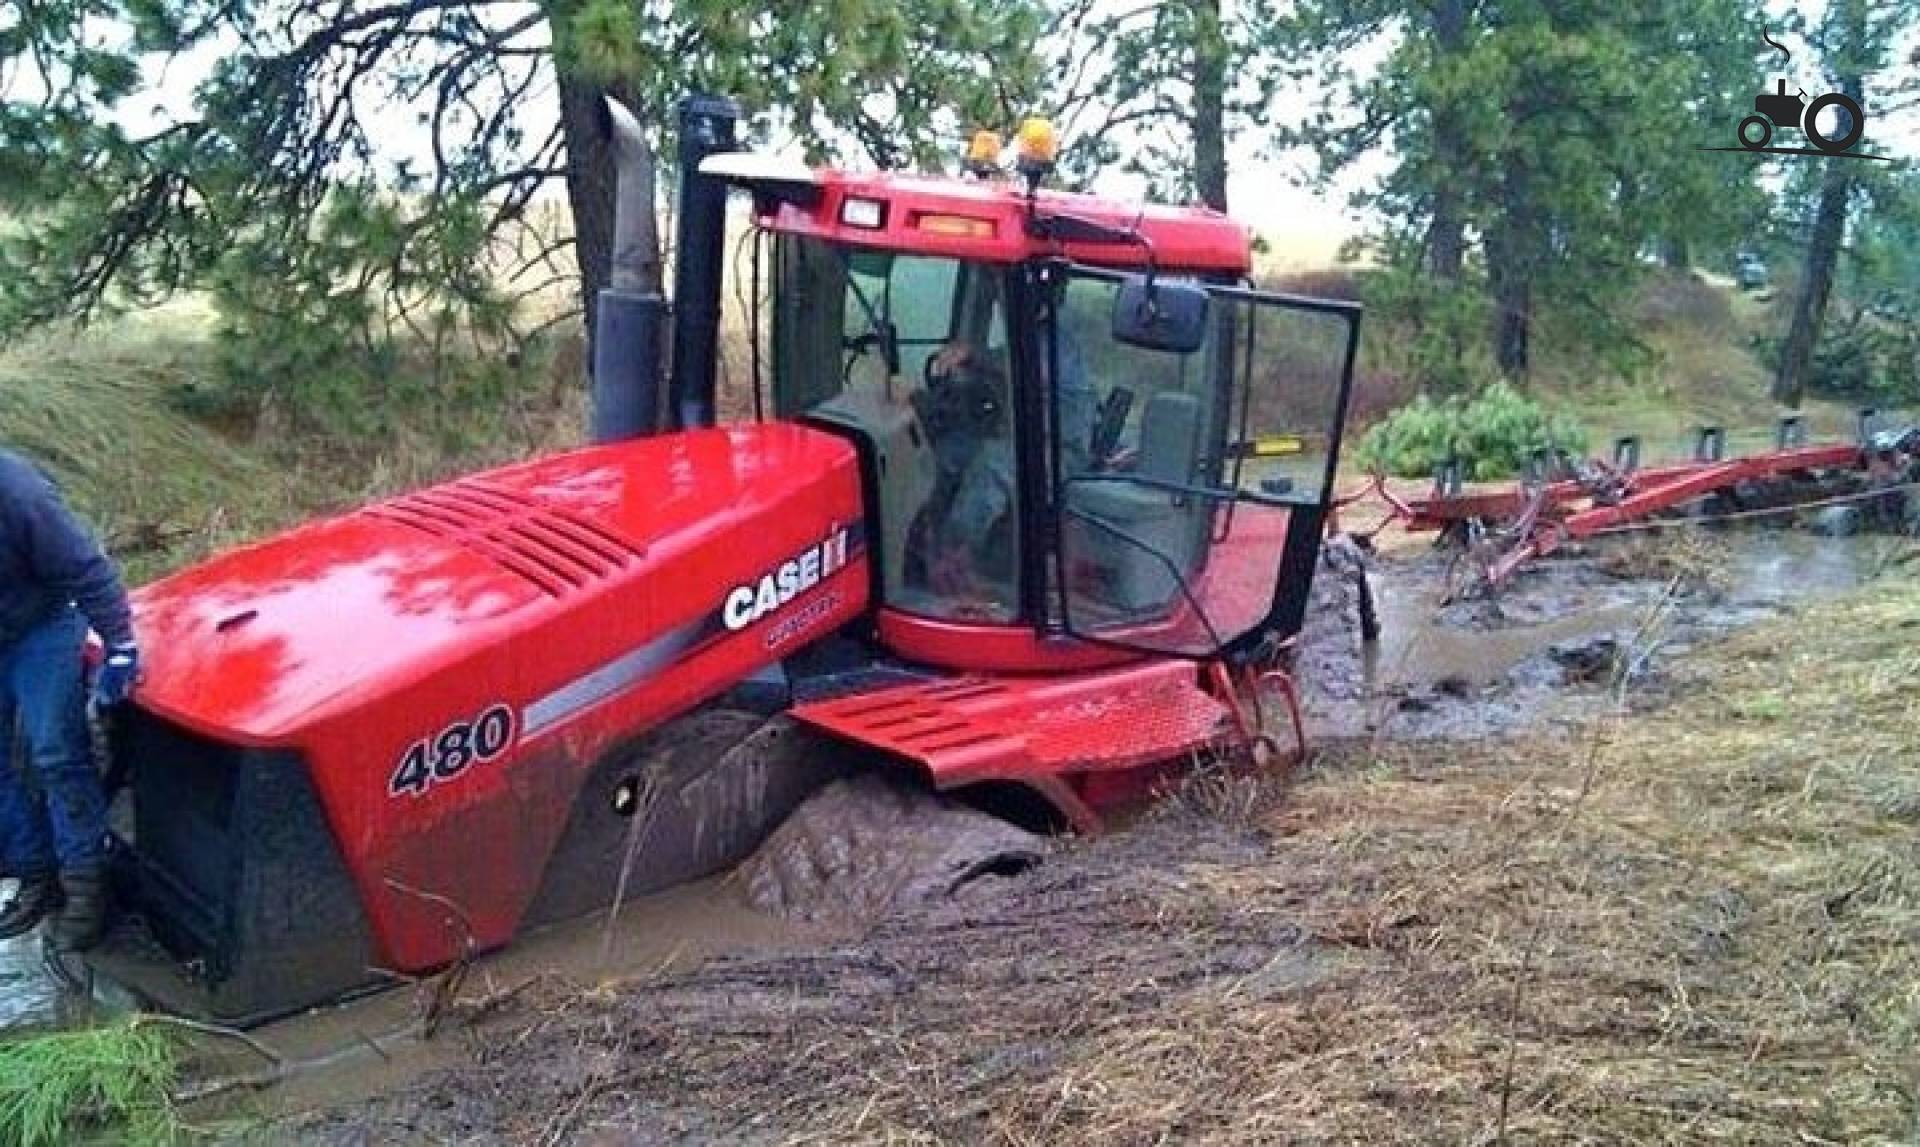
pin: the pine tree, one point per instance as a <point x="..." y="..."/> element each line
<point x="281" y="188"/>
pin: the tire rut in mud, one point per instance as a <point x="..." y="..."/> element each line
<point x="865" y="845"/>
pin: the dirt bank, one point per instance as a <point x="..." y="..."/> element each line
<point x="1695" y="917"/>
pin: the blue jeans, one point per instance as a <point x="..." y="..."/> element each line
<point x="55" y="816"/>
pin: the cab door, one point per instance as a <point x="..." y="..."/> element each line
<point x="1191" y="486"/>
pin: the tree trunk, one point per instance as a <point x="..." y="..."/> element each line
<point x="1816" y="281"/>
<point x="1446" y="236"/>
<point x="1209" y="105"/>
<point x="1513" y="303"/>
<point x="1816" y="285"/>
<point x="590" y="188"/>
<point x="1514" y="246"/>
<point x="1446" y="244"/>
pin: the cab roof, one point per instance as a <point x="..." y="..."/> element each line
<point x="987" y="219"/>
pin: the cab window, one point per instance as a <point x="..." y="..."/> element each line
<point x="910" y="354"/>
<point x="1196" y="466"/>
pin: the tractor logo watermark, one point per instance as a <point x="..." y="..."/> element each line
<point x="1832" y="122"/>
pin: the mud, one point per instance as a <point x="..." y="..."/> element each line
<point x="335" y="1058"/>
<point x="927" y="1006"/>
<point x="1455" y="664"/>
<point x="739" y="1049"/>
<point x="866" y="900"/>
<point x="829" y="872"/>
<point x="866" y="846"/>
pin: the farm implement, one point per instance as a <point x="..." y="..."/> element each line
<point x="1561" y="500"/>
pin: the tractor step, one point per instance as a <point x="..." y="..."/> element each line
<point x="966" y="730"/>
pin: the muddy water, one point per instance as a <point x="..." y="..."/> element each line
<point x="345" y="1053"/>
<point x="1421" y="645"/>
<point x="28" y="996"/>
<point x="652" y="935"/>
<point x="1474" y="667"/>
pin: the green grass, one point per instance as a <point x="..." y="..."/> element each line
<point x="112" y="1083"/>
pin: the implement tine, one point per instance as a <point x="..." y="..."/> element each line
<point x="1710" y="444"/>
<point x="1791" y="432"/>
<point x="1626" y="454"/>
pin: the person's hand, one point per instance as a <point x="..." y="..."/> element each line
<point x="950" y="358"/>
<point x="118" y="673"/>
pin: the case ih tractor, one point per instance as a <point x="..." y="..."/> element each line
<point x="1035" y="490"/>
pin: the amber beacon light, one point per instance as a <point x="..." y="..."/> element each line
<point x="983" y="153"/>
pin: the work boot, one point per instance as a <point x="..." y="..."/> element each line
<point x="36" y="896"/>
<point x="84" y="918"/>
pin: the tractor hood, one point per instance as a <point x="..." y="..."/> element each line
<point x="258" y="645"/>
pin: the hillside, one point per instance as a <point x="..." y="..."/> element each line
<point x="107" y="411"/>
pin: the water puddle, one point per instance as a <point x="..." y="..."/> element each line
<point x="353" y="1050"/>
<point x="28" y="996"/>
<point x="1489" y="663"/>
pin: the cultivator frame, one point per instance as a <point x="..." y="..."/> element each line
<point x="1561" y="499"/>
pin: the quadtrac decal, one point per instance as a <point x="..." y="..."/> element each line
<point x="448" y="754"/>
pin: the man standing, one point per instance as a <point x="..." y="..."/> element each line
<point x="54" y="582"/>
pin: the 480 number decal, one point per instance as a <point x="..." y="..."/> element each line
<point x="448" y="754"/>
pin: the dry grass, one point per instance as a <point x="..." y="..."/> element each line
<point x="1721" y="939"/>
<point x="99" y="408"/>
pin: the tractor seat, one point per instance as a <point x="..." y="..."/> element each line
<point x="1157" y="521"/>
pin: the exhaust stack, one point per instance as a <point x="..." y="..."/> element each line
<point x="631" y="317"/>
<point x="707" y="127"/>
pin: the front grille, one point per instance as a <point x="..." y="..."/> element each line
<point x="237" y="873"/>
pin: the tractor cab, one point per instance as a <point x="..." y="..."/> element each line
<point x="1084" y="436"/>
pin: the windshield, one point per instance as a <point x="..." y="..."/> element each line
<point x="1182" y="478"/>
<point x="910" y="353"/>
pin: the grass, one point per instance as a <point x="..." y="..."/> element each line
<point x="110" y="1083"/>
<point x="94" y="412"/>
<point x="1697" y="923"/>
<point x="101" y="410"/>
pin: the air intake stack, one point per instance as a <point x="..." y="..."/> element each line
<point x="631" y="318"/>
<point x="707" y="127"/>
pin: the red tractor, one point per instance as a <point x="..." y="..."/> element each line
<point x="1037" y="484"/>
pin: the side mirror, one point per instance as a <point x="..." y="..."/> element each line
<point x="1160" y="315"/>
